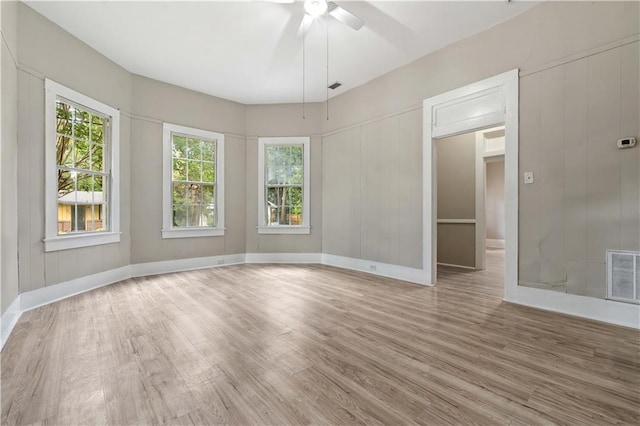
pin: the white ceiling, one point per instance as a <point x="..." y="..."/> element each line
<point x="247" y="51"/>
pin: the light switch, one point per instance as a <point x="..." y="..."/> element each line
<point x="528" y="177"/>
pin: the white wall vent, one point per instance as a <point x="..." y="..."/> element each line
<point x="623" y="276"/>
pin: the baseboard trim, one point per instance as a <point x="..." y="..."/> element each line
<point x="179" y="265"/>
<point x="397" y="272"/>
<point x="283" y="258"/>
<point x="50" y="294"/>
<point x="471" y="268"/>
<point x="496" y="244"/>
<point x="609" y="311"/>
<point x="618" y="313"/>
<point x="9" y="320"/>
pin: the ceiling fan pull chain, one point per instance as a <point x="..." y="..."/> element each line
<point x="327" y="85"/>
<point x="303" y="66"/>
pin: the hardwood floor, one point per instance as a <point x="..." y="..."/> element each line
<point x="291" y="344"/>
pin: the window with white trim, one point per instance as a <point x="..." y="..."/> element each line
<point x="193" y="182"/>
<point x="81" y="170"/>
<point x="283" y="185"/>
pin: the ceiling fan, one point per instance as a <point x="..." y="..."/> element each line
<point x="316" y="8"/>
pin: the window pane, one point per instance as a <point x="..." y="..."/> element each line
<point x="193" y="148"/>
<point x="81" y="125"/>
<point x="97" y="132"/>
<point x="296" y="156"/>
<point x="295" y="200"/>
<point x="66" y="183"/>
<point x="179" y="193"/>
<point x="194" y="194"/>
<point x="194" y="171"/>
<point x="208" y="150"/>
<point x="283" y="217"/>
<point x="208" y="172"/>
<point x="82" y="154"/>
<point x="179" y="146"/>
<point x="63" y="118"/>
<point x="297" y="175"/>
<point x="179" y="170"/>
<point x="98" y="188"/>
<point x="208" y="194"/>
<point x="85" y="184"/>
<point x="179" y="216"/>
<point x="64" y="151"/>
<point x="194" y="215"/>
<point x="209" y="215"/>
<point x="97" y="157"/>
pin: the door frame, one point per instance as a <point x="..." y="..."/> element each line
<point x="481" y="105"/>
<point x="482" y="158"/>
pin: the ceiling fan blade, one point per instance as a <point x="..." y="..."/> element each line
<point x="304" y="26"/>
<point x="344" y="16"/>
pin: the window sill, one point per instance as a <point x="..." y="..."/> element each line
<point x="80" y="240"/>
<point x="284" y="229"/>
<point x="192" y="232"/>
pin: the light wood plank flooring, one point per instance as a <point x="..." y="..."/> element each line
<point x="291" y="344"/>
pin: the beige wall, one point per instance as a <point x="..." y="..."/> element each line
<point x="585" y="198"/>
<point x="569" y="114"/>
<point x="45" y="50"/>
<point x="153" y="103"/>
<point x="372" y="178"/>
<point x="494" y="200"/>
<point x="9" y="287"/>
<point x="456" y="180"/>
<point x="367" y="168"/>
<point x="284" y="120"/>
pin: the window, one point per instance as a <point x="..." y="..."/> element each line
<point x="81" y="169"/>
<point x="193" y="182"/>
<point x="283" y="185"/>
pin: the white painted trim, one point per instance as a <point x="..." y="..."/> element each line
<point x="501" y="94"/>
<point x="9" y="320"/>
<point x="168" y="231"/>
<point x="81" y="240"/>
<point x="178" y="265"/>
<point x="471" y="221"/>
<point x="619" y="313"/>
<point x="52" y="241"/>
<point x="304" y="228"/>
<point x="481" y="224"/>
<point x="587" y="307"/>
<point x="397" y="272"/>
<point x="284" y="229"/>
<point x="457" y="266"/>
<point x="496" y="244"/>
<point x="192" y="232"/>
<point x="283" y="258"/>
<point x="45" y="295"/>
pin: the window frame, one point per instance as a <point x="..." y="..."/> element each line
<point x="53" y="241"/>
<point x="263" y="143"/>
<point x="168" y="231"/>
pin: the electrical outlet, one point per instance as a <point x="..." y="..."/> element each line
<point x="528" y="177"/>
<point x="372" y="267"/>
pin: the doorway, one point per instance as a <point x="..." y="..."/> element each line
<point x="482" y="105"/>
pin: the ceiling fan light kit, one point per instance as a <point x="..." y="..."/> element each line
<point x="315" y="8"/>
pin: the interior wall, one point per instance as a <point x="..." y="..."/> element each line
<point x="283" y="120"/>
<point x="370" y="167"/>
<point x="456" y="189"/>
<point x="155" y="102"/>
<point x="372" y="178"/>
<point x="494" y="200"/>
<point x="585" y="198"/>
<point x="9" y="286"/>
<point x="46" y="51"/>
